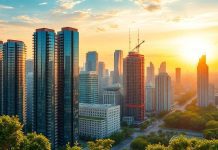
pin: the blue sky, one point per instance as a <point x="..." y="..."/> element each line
<point x="104" y="24"/>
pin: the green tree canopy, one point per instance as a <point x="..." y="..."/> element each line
<point x="101" y="144"/>
<point x="11" y="135"/>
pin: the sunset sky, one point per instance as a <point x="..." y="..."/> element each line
<point x="176" y="31"/>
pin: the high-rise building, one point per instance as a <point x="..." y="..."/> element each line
<point x="202" y="82"/>
<point x="92" y="61"/>
<point x="14" y="80"/>
<point x="101" y="79"/>
<point x="29" y="91"/>
<point x="178" y="85"/>
<point x="162" y="68"/>
<point x="88" y="87"/>
<point x="118" y="67"/>
<point x="1" y="77"/>
<point x="43" y="84"/>
<point x="211" y="94"/>
<point x="150" y="103"/>
<point x="98" y="120"/>
<point x="150" y="74"/>
<point x="163" y="92"/>
<point x="134" y="93"/>
<point x="67" y="86"/>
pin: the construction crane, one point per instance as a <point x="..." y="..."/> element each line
<point x="138" y="46"/>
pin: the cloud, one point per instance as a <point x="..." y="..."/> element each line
<point x="152" y="5"/>
<point x="114" y="26"/>
<point x="5" y="7"/>
<point x="64" y="5"/>
<point x="43" y="3"/>
<point x="100" y="29"/>
<point x="27" y="19"/>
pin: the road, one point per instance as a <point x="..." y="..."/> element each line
<point x="155" y="126"/>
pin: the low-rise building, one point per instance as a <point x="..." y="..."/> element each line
<point x="98" y="120"/>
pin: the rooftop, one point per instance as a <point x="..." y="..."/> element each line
<point x="69" y="29"/>
<point x="102" y="106"/>
<point x="45" y="29"/>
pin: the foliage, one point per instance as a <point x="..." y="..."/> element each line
<point x="36" y="142"/>
<point x="11" y="135"/>
<point x="142" y="142"/>
<point x="75" y="147"/>
<point x="144" y="125"/>
<point x="211" y="133"/>
<point x="139" y="144"/>
<point x="101" y="144"/>
<point x="156" y="147"/>
<point x="183" y="143"/>
<point x="193" y="118"/>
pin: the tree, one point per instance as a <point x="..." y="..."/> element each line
<point x="101" y="144"/>
<point x="212" y="124"/>
<point x="75" y="147"/>
<point x="36" y="142"/>
<point x="139" y="144"/>
<point x="11" y="135"/>
<point x="211" y="133"/>
<point x="157" y="147"/>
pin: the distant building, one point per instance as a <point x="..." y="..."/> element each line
<point x="216" y="99"/>
<point x="211" y="94"/>
<point x="112" y="95"/>
<point x="1" y="77"/>
<point x="92" y="61"/>
<point x="98" y="120"/>
<point x="178" y="84"/>
<point x="134" y="94"/>
<point x="118" y="67"/>
<point x="101" y="79"/>
<point x="14" y="79"/>
<point x="88" y="87"/>
<point x="150" y="103"/>
<point x="202" y="82"/>
<point x="162" y="68"/>
<point x="150" y="74"/>
<point x="163" y="93"/>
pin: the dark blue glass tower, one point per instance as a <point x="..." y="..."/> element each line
<point x="14" y="83"/>
<point x="43" y="84"/>
<point x="1" y="77"/>
<point x="67" y="86"/>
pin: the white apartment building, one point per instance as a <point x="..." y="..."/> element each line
<point x="98" y="120"/>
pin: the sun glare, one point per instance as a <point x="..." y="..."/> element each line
<point x="191" y="48"/>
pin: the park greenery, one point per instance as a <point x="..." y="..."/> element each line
<point x="194" y="118"/>
<point x="141" y="142"/>
<point x="13" y="138"/>
<point x="184" y="143"/>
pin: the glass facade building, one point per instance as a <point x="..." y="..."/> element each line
<point x="92" y="61"/>
<point x="43" y="87"/>
<point x="67" y="86"/>
<point x="1" y="77"/>
<point x="14" y="83"/>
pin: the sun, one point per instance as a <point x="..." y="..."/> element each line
<point x="191" y="49"/>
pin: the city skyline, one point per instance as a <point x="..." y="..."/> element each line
<point x="174" y="31"/>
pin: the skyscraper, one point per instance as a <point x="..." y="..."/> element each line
<point x="29" y="91"/>
<point x="163" y="93"/>
<point x="92" y="61"/>
<point x="150" y="74"/>
<point x="101" y="79"/>
<point x="134" y="93"/>
<point x="67" y="86"/>
<point x="88" y="87"/>
<point x="202" y="82"/>
<point x="14" y="81"/>
<point x="43" y="93"/>
<point x="118" y="66"/>
<point x="162" y="68"/>
<point x="1" y="77"/>
<point x="150" y="103"/>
